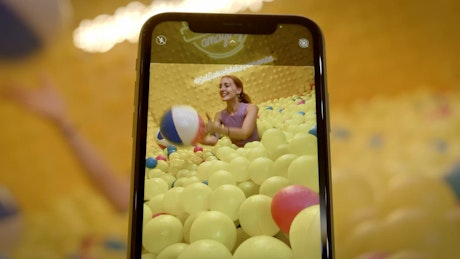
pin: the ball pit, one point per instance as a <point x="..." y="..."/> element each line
<point x="222" y="194"/>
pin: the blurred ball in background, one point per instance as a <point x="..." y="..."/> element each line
<point x="11" y="224"/>
<point x="27" y="26"/>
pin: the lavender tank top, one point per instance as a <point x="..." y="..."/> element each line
<point x="236" y="120"/>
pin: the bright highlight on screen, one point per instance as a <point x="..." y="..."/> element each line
<point x="105" y="31"/>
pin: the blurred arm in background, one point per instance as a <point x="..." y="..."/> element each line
<point x="48" y="103"/>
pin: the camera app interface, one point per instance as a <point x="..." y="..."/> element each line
<point x="231" y="164"/>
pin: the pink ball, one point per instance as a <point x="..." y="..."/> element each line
<point x="159" y="214"/>
<point x="288" y="202"/>
<point x="197" y="149"/>
<point x="160" y="157"/>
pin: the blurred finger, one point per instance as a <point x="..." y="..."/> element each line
<point x="209" y="117"/>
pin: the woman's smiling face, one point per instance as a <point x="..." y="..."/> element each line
<point x="228" y="89"/>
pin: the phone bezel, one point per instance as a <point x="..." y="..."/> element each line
<point x="227" y="23"/>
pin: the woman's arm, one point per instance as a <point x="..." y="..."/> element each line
<point x="211" y="136"/>
<point x="47" y="103"/>
<point x="249" y="125"/>
<point x="115" y="188"/>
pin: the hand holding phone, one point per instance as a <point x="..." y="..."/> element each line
<point x="231" y="154"/>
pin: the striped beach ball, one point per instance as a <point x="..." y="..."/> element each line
<point x="161" y="141"/>
<point x="182" y="125"/>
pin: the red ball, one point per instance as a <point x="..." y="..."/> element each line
<point x="288" y="202"/>
<point x="160" y="157"/>
<point x="158" y="214"/>
<point x="197" y="148"/>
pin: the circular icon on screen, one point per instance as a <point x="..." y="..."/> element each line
<point x="161" y="40"/>
<point x="303" y="43"/>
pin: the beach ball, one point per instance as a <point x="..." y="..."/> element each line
<point x="182" y="125"/>
<point x="28" y="26"/>
<point x="161" y="141"/>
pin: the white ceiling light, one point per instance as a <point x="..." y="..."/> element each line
<point x="103" y="32"/>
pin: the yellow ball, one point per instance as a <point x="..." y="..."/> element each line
<point x="160" y="232"/>
<point x="162" y="165"/>
<point x="305" y="233"/>
<point x="195" y="197"/>
<point x="156" y="203"/>
<point x="249" y="188"/>
<point x="239" y="168"/>
<point x="148" y="256"/>
<point x="169" y="179"/>
<point x="273" y="138"/>
<point x="281" y="164"/>
<point x="205" y="249"/>
<point x="174" y="156"/>
<point x="417" y="229"/>
<point x="303" y="144"/>
<point x="154" y="186"/>
<point x="172" y="201"/>
<point x="255" y="216"/>
<point x="221" y="177"/>
<point x="260" y="169"/>
<point x="405" y="254"/>
<point x="225" y="153"/>
<point x="428" y="193"/>
<point x="256" y="152"/>
<point x="349" y="187"/>
<point x="252" y="144"/>
<point x="147" y="214"/>
<point x="304" y="171"/>
<point x="361" y="239"/>
<point x="214" y="225"/>
<point x="227" y="199"/>
<point x="191" y="180"/>
<point x="279" y="151"/>
<point x="204" y="170"/>
<point x="188" y="224"/>
<point x="184" y="173"/>
<point x="272" y="185"/>
<point x="241" y="236"/>
<point x="241" y="151"/>
<point x="179" y="182"/>
<point x="219" y="165"/>
<point x="210" y="159"/>
<point x="154" y="173"/>
<point x="266" y="247"/>
<point x="171" y="252"/>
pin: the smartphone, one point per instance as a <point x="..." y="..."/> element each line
<point x="231" y="150"/>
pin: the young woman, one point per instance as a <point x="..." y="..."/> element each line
<point x="238" y="120"/>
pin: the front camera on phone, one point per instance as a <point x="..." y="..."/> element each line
<point x="303" y="43"/>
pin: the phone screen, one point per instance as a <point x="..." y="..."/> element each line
<point x="231" y="154"/>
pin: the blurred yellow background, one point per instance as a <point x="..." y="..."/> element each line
<point x="378" y="53"/>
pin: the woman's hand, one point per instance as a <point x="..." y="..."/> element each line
<point x="44" y="101"/>
<point x="210" y="126"/>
